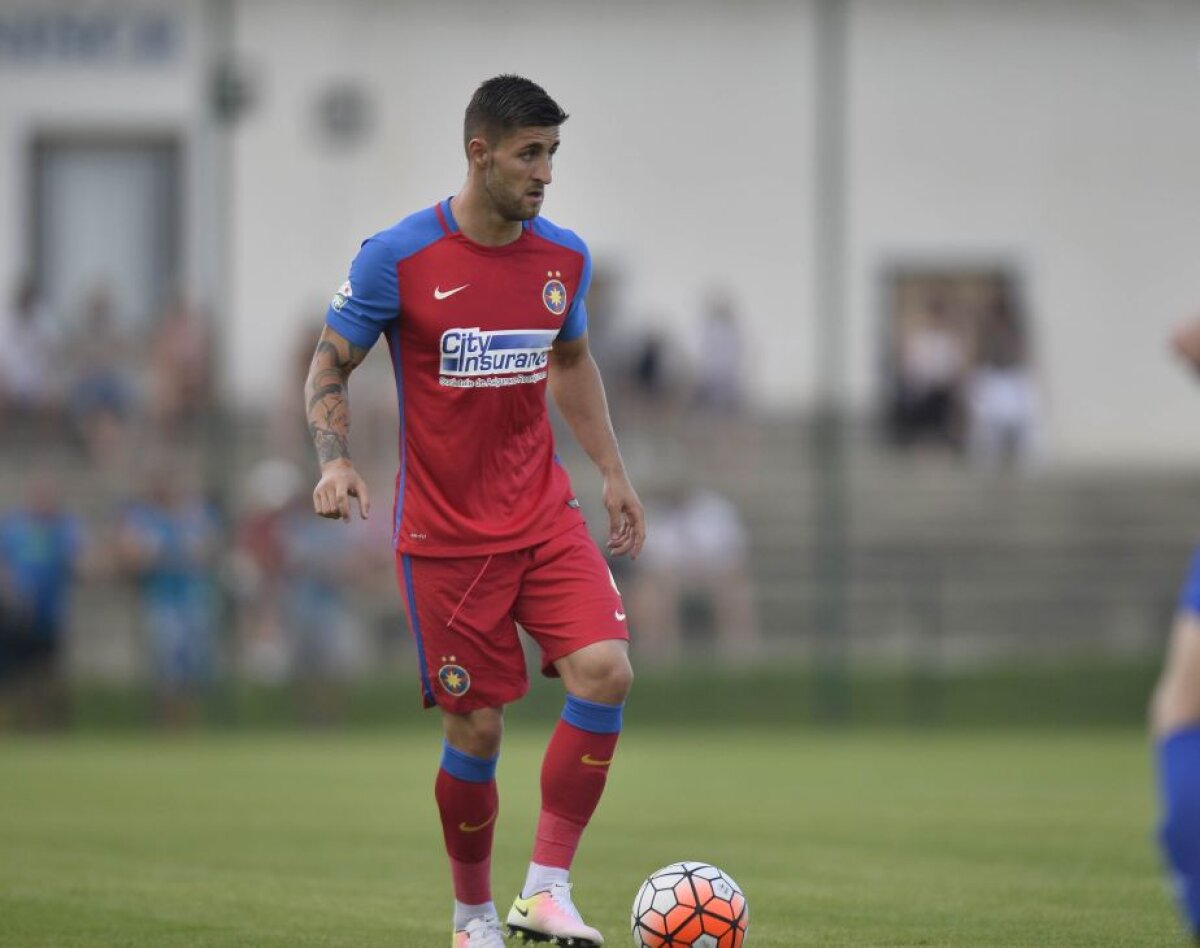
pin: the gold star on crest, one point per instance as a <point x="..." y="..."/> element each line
<point x="453" y="680"/>
<point x="555" y="296"/>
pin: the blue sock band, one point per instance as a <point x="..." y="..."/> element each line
<point x="1179" y="834"/>
<point x="466" y="767"/>
<point x="592" y="715"/>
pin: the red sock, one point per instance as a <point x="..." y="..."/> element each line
<point x="468" y="809"/>
<point x="574" y="772"/>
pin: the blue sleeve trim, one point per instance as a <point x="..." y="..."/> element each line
<point x="467" y="767"/>
<point x="575" y="325"/>
<point x="560" y="235"/>
<point x="355" y="333"/>
<point x="592" y="715"/>
<point x="369" y="301"/>
<point x="370" y="298"/>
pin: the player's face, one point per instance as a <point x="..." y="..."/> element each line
<point x="518" y="170"/>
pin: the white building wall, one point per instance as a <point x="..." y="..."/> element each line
<point x="55" y="92"/>
<point x="1060" y="134"/>
<point x="686" y="161"/>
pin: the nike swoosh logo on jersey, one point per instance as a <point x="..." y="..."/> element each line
<point x="619" y="616"/>
<point x="592" y="762"/>
<point x="439" y="295"/>
<point x="468" y="828"/>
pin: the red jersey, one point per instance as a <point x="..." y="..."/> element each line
<point x="470" y="329"/>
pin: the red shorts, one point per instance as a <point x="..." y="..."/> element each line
<point x="464" y="611"/>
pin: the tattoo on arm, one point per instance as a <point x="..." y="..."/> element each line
<point x="327" y="397"/>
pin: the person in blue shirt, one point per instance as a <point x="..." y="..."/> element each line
<point x="41" y="546"/>
<point x="1175" y="721"/>
<point x="169" y="541"/>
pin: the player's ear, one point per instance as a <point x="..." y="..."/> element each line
<point x="478" y="151"/>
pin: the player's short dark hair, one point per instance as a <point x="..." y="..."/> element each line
<point x="508" y="102"/>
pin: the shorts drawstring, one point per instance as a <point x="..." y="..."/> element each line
<point x="474" y="583"/>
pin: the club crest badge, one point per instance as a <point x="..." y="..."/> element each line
<point x="554" y="294"/>
<point x="454" y="678"/>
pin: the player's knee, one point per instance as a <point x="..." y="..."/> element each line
<point x="617" y="676"/>
<point x="477" y="733"/>
<point x="610" y="679"/>
<point x="621" y="677"/>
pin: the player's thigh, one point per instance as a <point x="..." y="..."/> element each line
<point x="1176" y="700"/>
<point x="569" y="599"/>
<point x="460" y="612"/>
<point x="1177" y="697"/>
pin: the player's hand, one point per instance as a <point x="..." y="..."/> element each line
<point x="626" y="517"/>
<point x="339" y="482"/>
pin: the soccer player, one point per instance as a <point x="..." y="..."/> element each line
<point x="482" y="305"/>
<point x="1175" y="719"/>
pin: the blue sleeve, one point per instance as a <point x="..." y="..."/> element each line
<point x="369" y="299"/>
<point x="575" y="325"/>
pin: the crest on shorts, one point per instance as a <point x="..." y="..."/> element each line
<point x="554" y="294"/>
<point x="454" y="678"/>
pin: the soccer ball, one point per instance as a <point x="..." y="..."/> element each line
<point x="689" y="905"/>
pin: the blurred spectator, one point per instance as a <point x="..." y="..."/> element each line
<point x="259" y="568"/>
<point x="695" y="561"/>
<point x="169" y="542"/>
<point x="103" y="393"/>
<point x="719" y="427"/>
<point x="296" y="576"/>
<point x="179" y="368"/>
<point x="653" y="393"/>
<point x="29" y="384"/>
<point x="287" y="429"/>
<point x="650" y="372"/>
<point x="931" y="364"/>
<point x="41" y="551"/>
<point x="605" y="341"/>
<point x="324" y="561"/>
<point x="720" y="363"/>
<point x="1002" y="398"/>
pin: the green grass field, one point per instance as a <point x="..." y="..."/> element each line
<point x="877" y="838"/>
